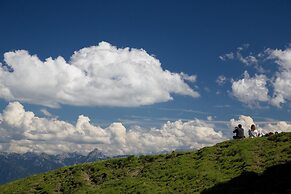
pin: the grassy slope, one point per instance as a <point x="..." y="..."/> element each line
<point x="186" y="172"/>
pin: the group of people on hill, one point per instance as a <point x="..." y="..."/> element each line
<point x="253" y="132"/>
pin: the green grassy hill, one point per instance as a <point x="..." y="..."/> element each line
<point x="258" y="165"/>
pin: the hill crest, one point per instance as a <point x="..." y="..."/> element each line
<point x="213" y="169"/>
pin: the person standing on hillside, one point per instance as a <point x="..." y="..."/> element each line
<point x="239" y="132"/>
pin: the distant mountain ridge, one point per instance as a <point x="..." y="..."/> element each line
<point x="14" y="166"/>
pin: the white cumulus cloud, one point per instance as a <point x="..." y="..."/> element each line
<point x="282" y="80"/>
<point x="282" y="57"/>
<point x="251" y="90"/>
<point x="101" y="75"/>
<point x="281" y="126"/>
<point x="22" y="131"/>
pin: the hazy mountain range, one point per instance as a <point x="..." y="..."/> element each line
<point x="14" y="166"/>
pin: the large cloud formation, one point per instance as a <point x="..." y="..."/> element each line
<point x="22" y="131"/>
<point x="102" y="75"/>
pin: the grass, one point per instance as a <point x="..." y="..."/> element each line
<point x="210" y="169"/>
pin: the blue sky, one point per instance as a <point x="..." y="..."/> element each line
<point x="206" y="39"/>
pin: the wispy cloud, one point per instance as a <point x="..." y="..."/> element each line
<point x="45" y="112"/>
<point x="184" y="110"/>
<point x="221" y="80"/>
<point x="248" y="60"/>
<point x="190" y="78"/>
<point x="223" y="106"/>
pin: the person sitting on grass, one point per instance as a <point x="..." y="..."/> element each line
<point x="239" y="132"/>
<point x="253" y="132"/>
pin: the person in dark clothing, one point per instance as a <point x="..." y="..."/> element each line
<point x="239" y="132"/>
